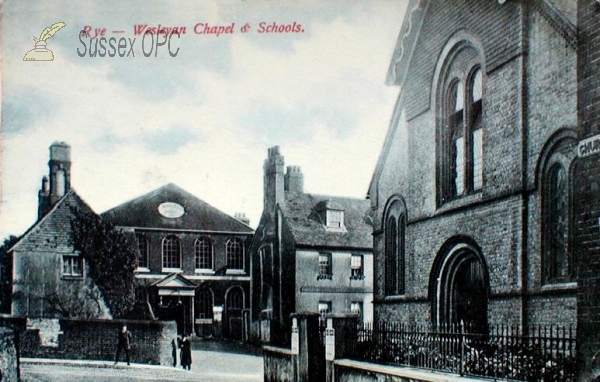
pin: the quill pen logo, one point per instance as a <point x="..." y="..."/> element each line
<point x="40" y="52"/>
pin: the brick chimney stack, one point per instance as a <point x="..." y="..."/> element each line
<point x="294" y="179"/>
<point x="273" y="180"/>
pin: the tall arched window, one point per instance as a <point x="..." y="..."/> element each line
<point x="391" y="248"/>
<point x="465" y="154"/>
<point x="203" y="253"/>
<point x="235" y="254"/>
<point x="460" y="132"/>
<point x="556" y="261"/>
<point x="394" y="251"/>
<point x="142" y="243"/>
<point x="171" y="252"/>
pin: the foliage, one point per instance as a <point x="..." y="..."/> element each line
<point x="6" y="273"/>
<point x="111" y="256"/>
<point x="514" y="358"/>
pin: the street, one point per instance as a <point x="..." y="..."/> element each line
<point x="217" y="363"/>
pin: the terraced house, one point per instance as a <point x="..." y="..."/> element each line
<point x="310" y="253"/>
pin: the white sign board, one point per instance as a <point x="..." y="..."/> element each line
<point x="329" y="344"/>
<point x="295" y="340"/>
<point x="589" y="146"/>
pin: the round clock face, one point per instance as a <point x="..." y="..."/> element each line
<point x="171" y="210"/>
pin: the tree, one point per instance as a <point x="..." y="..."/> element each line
<point x="6" y="274"/>
<point x="112" y="257"/>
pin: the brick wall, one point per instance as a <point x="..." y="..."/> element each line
<point x="97" y="340"/>
<point x="587" y="189"/>
<point x="530" y="96"/>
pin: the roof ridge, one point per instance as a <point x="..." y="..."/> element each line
<point x="39" y="222"/>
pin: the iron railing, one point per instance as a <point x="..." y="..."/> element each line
<point x="544" y="353"/>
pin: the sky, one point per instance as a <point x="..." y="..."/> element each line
<point x="204" y="118"/>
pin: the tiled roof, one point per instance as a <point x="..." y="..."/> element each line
<point x="308" y="230"/>
<point x="143" y="212"/>
<point x="52" y="233"/>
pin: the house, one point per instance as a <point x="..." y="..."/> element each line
<point x="472" y="195"/>
<point x="194" y="266"/>
<point x="49" y="277"/>
<point x="310" y="253"/>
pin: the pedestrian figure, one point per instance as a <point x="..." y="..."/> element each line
<point x="186" y="353"/>
<point x="174" y="346"/>
<point x="124" y="343"/>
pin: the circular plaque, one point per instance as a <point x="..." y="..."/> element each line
<point x="171" y="210"/>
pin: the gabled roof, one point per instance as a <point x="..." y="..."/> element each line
<point x="561" y="14"/>
<point x="301" y="217"/>
<point x="52" y="233"/>
<point x="171" y="207"/>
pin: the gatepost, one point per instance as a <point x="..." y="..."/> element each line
<point x="339" y="335"/>
<point x="306" y="347"/>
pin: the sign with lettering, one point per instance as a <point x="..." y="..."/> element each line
<point x="295" y="340"/>
<point x="589" y="146"/>
<point x="329" y="344"/>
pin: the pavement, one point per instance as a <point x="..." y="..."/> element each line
<point x="211" y="361"/>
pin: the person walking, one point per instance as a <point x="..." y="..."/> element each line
<point x="174" y="346"/>
<point x="124" y="343"/>
<point x="186" y="353"/>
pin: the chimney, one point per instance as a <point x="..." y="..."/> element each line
<point x="58" y="183"/>
<point x="273" y="180"/>
<point x="43" y="198"/>
<point x="242" y="217"/>
<point x="60" y="171"/>
<point x="294" y="179"/>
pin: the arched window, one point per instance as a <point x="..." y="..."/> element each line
<point x="394" y="251"/>
<point x="142" y="243"/>
<point x="203" y="253"/>
<point x="235" y="300"/>
<point x="460" y="132"/>
<point x="556" y="260"/>
<point x="204" y="304"/>
<point x="171" y="252"/>
<point x="235" y="254"/>
<point x="391" y="248"/>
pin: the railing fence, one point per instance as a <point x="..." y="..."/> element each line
<point x="543" y="353"/>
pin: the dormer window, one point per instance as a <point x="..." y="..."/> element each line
<point x="335" y="219"/>
<point x="331" y="214"/>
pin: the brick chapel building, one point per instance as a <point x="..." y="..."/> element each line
<point x="473" y="201"/>
<point x="194" y="266"/>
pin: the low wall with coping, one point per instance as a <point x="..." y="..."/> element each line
<point x="278" y="364"/>
<point x="93" y="339"/>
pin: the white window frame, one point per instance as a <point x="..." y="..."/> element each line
<point x="68" y="261"/>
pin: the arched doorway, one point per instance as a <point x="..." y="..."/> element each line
<point x="459" y="287"/>
<point x="234" y="305"/>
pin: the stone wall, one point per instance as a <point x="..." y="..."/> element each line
<point x="9" y="364"/>
<point x="95" y="339"/>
